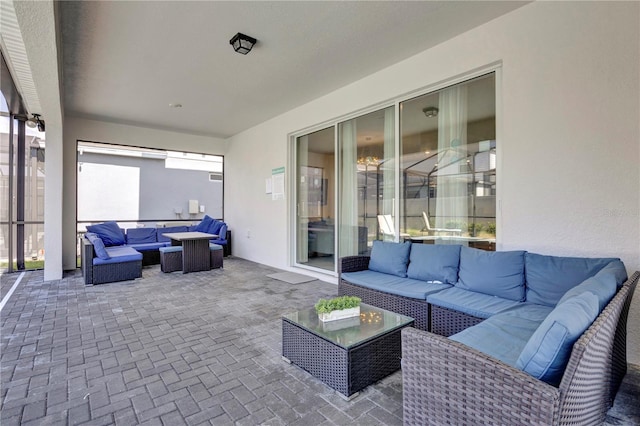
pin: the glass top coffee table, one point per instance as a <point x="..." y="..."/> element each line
<point x="348" y="354"/>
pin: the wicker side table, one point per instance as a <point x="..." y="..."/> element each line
<point x="347" y="359"/>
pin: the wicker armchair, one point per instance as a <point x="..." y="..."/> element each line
<point x="446" y="382"/>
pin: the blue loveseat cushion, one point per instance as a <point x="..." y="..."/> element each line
<point x="204" y="224"/>
<point x="434" y="262"/>
<point x="119" y="254"/>
<point x="471" y="303"/>
<point x="98" y="245"/>
<point x="169" y="230"/>
<point x="499" y="273"/>
<point x="109" y="232"/>
<point x="547" y="352"/>
<point x="390" y="258"/>
<point x="393" y="284"/>
<point x="550" y="277"/>
<point x="504" y="335"/>
<point x="142" y="235"/>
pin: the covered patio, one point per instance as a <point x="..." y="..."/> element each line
<point x="201" y="348"/>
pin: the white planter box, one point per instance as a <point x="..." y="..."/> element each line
<point x="337" y="315"/>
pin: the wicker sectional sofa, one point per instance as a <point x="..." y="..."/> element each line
<point x="508" y="338"/>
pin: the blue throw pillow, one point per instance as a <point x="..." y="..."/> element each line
<point x="547" y="353"/>
<point x="216" y="226"/>
<point x="603" y="287"/>
<point x="109" y="232"/>
<point x="497" y="273"/>
<point x="434" y="262"/>
<point x="204" y="225"/>
<point x="390" y="258"/>
<point x="98" y="245"/>
<point x="549" y="277"/>
<point x="222" y="233"/>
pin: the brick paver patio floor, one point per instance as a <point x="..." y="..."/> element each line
<point x="172" y="349"/>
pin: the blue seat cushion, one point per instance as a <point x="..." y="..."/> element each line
<point x="98" y="245"/>
<point x="142" y="235"/>
<point x="170" y="230"/>
<point x="109" y="232"/>
<point x="390" y="258"/>
<point x="434" y="262"/>
<point x="204" y="224"/>
<point x="550" y="277"/>
<point x="504" y="335"/>
<point x="214" y="247"/>
<point x="547" y="352"/>
<point x="496" y="273"/>
<point x="470" y="302"/>
<point x="146" y="246"/>
<point x="119" y="254"/>
<point x="393" y="284"/>
<point x="170" y="249"/>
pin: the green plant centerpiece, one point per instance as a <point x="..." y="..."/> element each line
<point x="338" y="308"/>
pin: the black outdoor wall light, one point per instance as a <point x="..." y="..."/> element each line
<point x="242" y="43"/>
<point x="35" y="121"/>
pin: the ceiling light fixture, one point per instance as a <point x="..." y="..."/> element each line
<point x="430" y="112"/>
<point x="35" y="121"/>
<point x="242" y="43"/>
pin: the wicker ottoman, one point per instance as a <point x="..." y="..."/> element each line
<point x="171" y="258"/>
<point x="217" y="252"/>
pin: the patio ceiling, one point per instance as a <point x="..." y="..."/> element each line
<point x="125" y="62"/>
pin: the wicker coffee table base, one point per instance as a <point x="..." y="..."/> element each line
<point x="348" y="371"/>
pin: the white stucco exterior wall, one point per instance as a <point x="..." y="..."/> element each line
<point x="568" y="131"/>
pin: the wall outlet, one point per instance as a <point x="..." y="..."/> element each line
<point x="248" y="233"/>
<point x="201" y="209"/>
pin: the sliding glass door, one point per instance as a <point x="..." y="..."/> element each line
<point x="367" y="180"/>
<point x="315" y="186"/>
<point x="448" y="165"/>
<point x="423" y="169"/>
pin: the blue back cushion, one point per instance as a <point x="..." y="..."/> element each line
<point x="169" y="230"/>
<point x="497" y="273"/>
<point x="547" y="352"/>
<point x="434" y="262"/>
<point x="109" y="232"/>
<point x="204" y="225"/>
<point x="98" y="245"/>
<point x="215" y="227"/>
<point x="549" y="277"/>
<point x="390" y="258"/>
<point x="222" y="233"/>
<point x="142" y="235"/>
